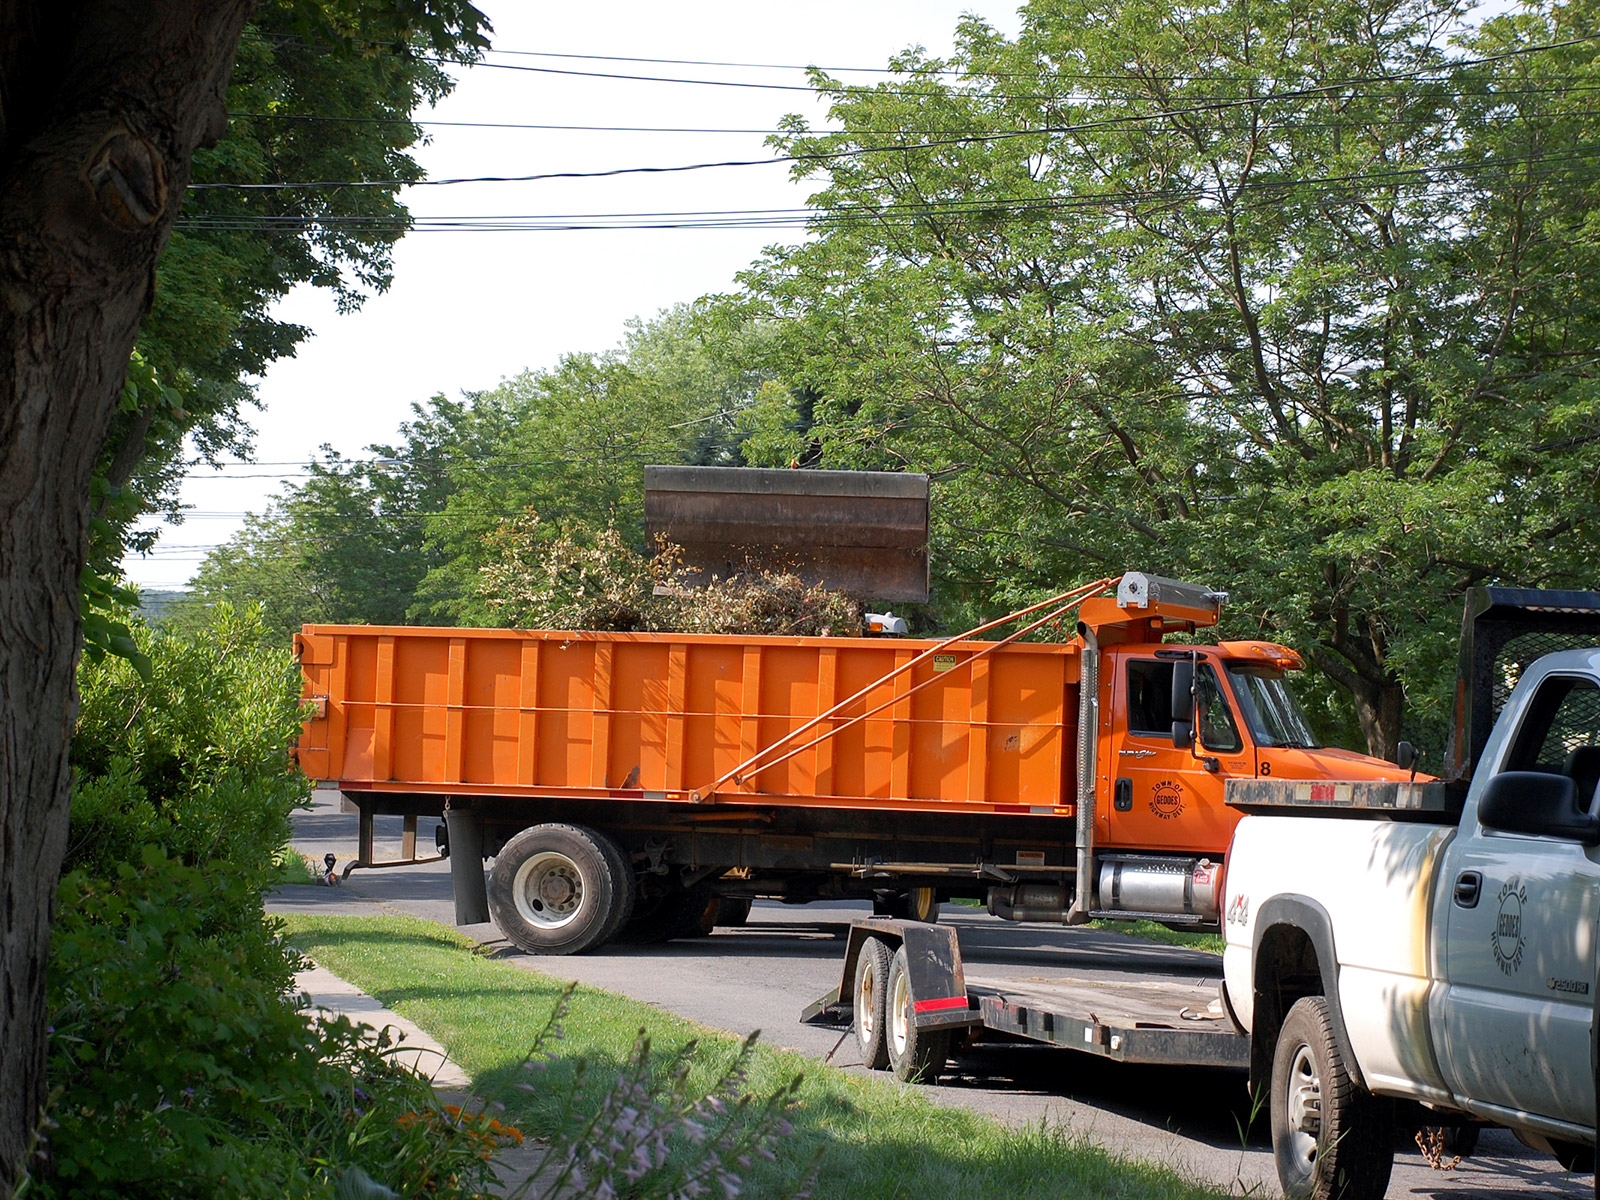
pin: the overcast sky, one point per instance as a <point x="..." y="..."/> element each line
<point x="468" y="309"/>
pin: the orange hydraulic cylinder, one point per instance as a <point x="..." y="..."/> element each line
<point x="656" y="716"/>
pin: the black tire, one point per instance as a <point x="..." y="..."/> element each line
<point x="914" y="904"/>
<point x="870" y="1003"/>
<point x="628" y="893"/>
<point x="663" y="918"/>
<point x="1331" y="1139"/>
<point x="1460" y="1141"/>
<point x="916" y="1055"/>
<point x="1574" y="1157"/>
<point x="560" y="889"/>
<point x="732" y="911"/>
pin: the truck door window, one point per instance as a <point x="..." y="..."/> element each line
<point x="1213" y="718"/>
<point x="1150" y="698"/>
<point x="1150" y="705"/>
<point x="1560" y="733"/>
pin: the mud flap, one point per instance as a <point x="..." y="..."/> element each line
<point x="465" y="832"/>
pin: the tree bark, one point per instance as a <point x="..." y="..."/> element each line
<point x="102" y="105"/>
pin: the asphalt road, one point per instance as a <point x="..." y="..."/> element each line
<point x="760" y="976"/>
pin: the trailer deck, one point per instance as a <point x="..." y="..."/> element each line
<point x="1151" y="1004"/>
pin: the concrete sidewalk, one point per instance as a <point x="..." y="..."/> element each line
<point x="515" y="1166"/>
<point x="416" y="1050"/>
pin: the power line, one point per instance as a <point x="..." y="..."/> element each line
<point x="1339" y="90"/>
<point x="903" y="213"/>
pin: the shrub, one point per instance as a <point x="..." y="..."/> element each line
<point x="573" y="578"/>
<point x="196" y="760"/>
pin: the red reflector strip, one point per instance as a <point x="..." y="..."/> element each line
<point x="940" y="1005"/>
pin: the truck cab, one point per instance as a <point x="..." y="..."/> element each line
<point x="1240" y="720"/>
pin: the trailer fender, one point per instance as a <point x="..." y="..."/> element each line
<point x="937" y="979"/>
<point x="1288" y="930"/>
<point x="938" y="983"/>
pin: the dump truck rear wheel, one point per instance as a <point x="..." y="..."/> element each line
<point x="871" y="1003"/>
<point x="661" y="919"/>
<point x="913" y="904"/>
<point x="560" y="889"/>
<point x="917" y="1055"/>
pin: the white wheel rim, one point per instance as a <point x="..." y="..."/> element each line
<point x="1303" y="1106"/>
<point x="548" y="890"/>
<point x="866" y="1009"/>
<point x="899" y="1023"/>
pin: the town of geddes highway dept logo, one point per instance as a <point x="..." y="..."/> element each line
<point x="1505" y="939"/>
<point x="1167" y="803"/>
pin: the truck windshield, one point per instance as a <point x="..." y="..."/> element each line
<point x="1269" y="707"/>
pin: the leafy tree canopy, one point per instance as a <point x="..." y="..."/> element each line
<point x="404" y="536"/>
<point x="1297" y="299"/>
<point x="323" y="92"/>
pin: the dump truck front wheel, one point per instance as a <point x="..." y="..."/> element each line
<point x="560" y="889"/>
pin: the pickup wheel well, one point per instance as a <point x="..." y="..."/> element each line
<point x="1286" y="970"/>
<point x="1293" y="956"/>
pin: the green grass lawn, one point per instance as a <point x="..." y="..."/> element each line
<point x="1151" y="931"/>
<point x="872" y="1139"/>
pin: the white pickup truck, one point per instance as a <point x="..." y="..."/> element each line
<point x="1423" y="971"/>
<point x="1400" y="957"/>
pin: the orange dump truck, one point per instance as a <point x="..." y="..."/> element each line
<point x="635" y="782"/>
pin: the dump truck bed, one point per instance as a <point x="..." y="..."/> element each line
<point x="657" y="716"/>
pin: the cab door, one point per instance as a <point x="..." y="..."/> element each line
<point x="1165" y="797"/>
<point x="1520" y="931"/>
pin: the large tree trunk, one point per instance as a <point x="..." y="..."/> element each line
<point x="102" y="104"/>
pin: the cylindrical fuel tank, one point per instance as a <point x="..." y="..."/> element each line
<point x="1160" y="885"/>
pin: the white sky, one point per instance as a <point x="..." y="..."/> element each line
<point x="468" y="309"/>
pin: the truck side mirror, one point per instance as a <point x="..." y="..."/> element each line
<point x="1182" y="704"/>
<point x="1405" y="756"/>
<point x="1536" y="803"/>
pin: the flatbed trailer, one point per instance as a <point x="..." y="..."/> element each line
<point x="906" y="992"/>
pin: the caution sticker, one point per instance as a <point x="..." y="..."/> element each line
<point x="944" y="662"/>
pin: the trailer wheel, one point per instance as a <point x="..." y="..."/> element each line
<point x="560" y="889"/>
<point x="1331" y="1139"/>
<point x="732" y="911"/>
<point x="917" y="1055"/>
<point x="871" y="1003"/>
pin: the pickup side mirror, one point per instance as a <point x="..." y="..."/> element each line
<point x="1536" y="803"/>
<point x="1405" y="756"/>
<point x="1182" y="704"/>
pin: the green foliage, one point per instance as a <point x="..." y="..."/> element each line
<point x="180" y="1066"/>
<point x="404" y="538"/>
<point x="573" y="578"/>
<point x="193" y="760"/>
<point x="1291" y="299"/>
<point x="178" y="1062"/>
<point x="322" y="90"/>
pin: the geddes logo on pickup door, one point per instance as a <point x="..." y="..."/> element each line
<point x="1505" y="938"/>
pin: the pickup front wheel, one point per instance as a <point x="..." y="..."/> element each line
<point x="1331" y="1139"/>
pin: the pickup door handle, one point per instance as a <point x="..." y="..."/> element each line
<point x="1469" y="886"/>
